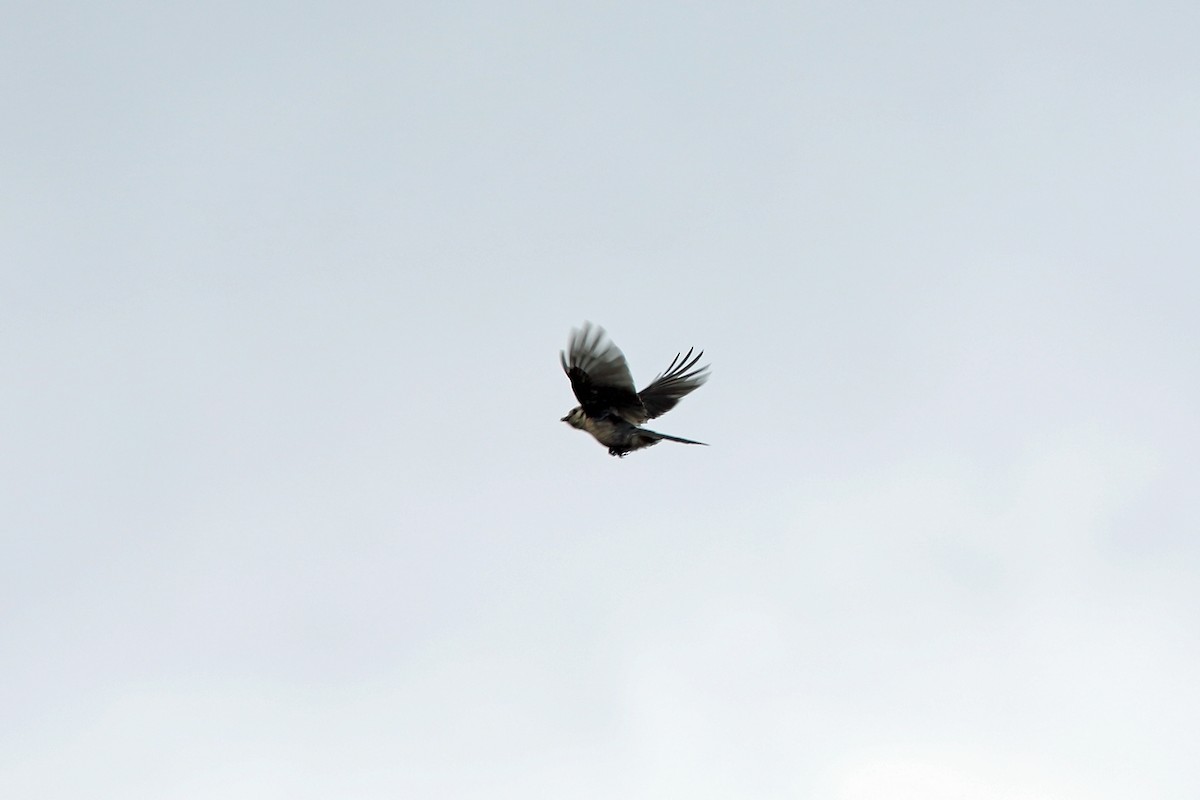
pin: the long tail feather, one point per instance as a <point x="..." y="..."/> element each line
<point x="668" y="437"/>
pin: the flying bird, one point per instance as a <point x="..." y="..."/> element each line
<point x="609" y="407"/>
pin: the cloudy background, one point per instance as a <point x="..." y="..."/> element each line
<point x="287" y="509"/>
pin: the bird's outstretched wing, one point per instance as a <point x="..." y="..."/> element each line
<point x="599" y="375"/>
<point x="680" y="378"/>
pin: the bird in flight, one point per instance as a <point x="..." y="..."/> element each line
<point x="609" y="407"/>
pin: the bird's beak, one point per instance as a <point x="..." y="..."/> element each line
<point x="564" y="419"/>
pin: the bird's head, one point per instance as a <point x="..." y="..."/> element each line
<point x="574" y="417"/>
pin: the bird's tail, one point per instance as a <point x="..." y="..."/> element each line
<point x="670" y="438"/>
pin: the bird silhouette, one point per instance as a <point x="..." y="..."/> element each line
<point x="609" y="407"/>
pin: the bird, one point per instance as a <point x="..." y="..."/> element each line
<point x="609" y="408"/>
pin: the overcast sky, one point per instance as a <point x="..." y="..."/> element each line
<point x="287" y="509"/>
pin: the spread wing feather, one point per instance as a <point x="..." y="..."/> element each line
<point x="599" y="375"/>
<point x="680" y="378"/>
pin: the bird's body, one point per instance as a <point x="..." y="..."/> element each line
<point x="609" y="408"/>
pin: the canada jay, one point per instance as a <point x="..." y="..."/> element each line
<point x="609" y="408"/>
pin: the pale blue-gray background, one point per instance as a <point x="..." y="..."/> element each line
<point x="286" y="507"/>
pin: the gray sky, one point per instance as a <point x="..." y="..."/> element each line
<point x="287" y="509"/>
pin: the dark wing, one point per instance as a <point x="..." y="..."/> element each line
<point x="665" y="391"/>
<point x="599" y="375"/>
